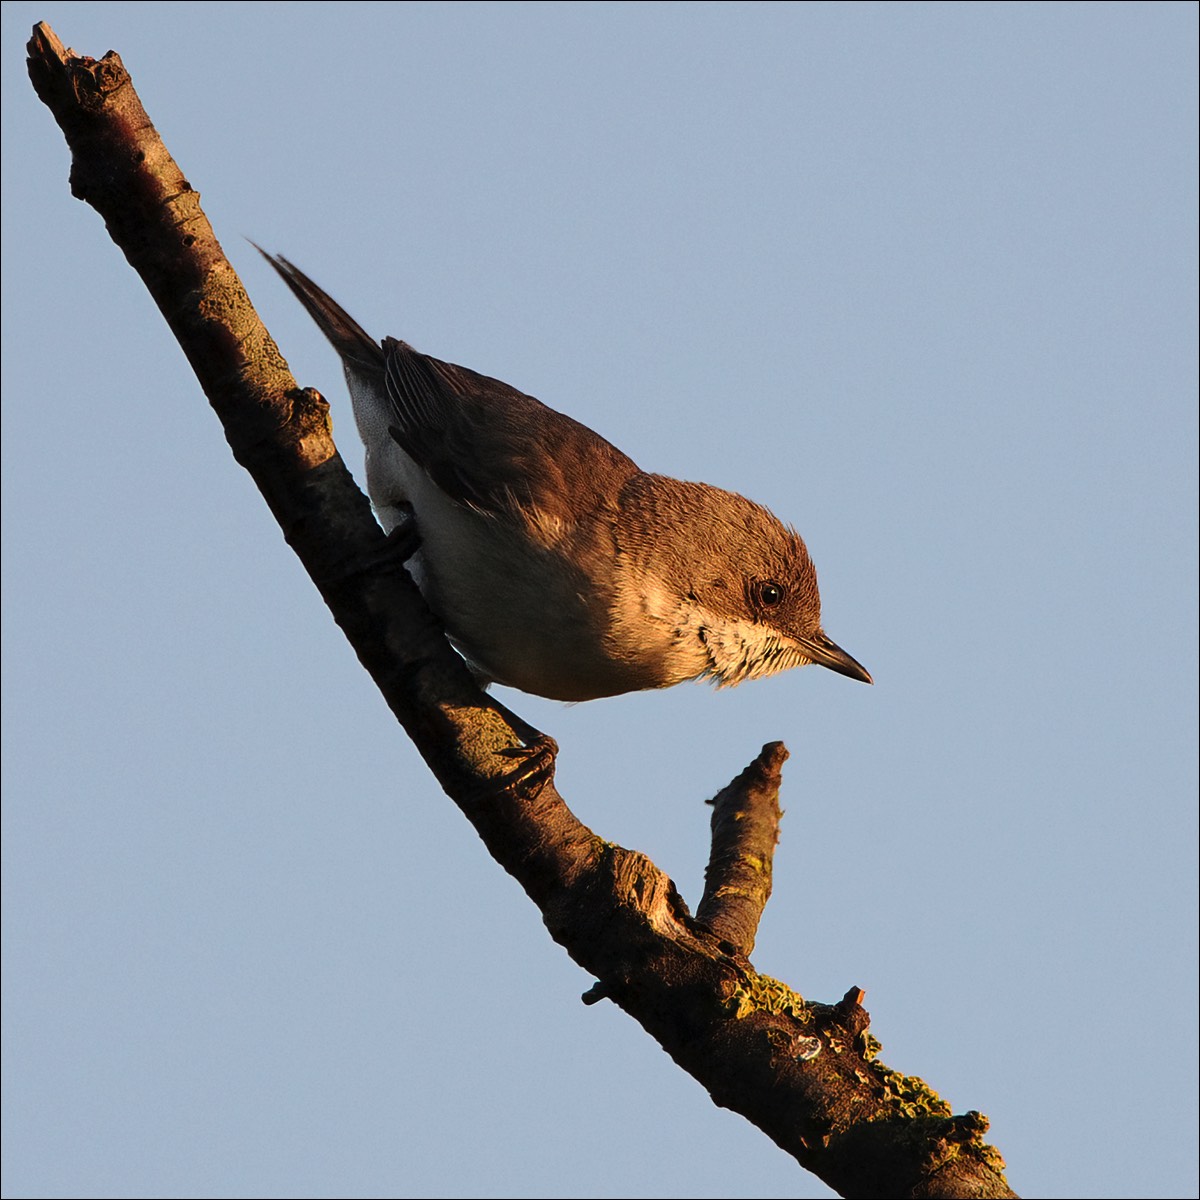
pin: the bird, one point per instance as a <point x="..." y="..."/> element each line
<point x="555" y="563"/>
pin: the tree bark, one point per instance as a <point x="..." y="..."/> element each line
<point x="805" y="1073"/>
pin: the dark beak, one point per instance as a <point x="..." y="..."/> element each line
<point x="828" y="654"/>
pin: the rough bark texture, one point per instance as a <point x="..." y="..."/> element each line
<point x="805" y="1073"/>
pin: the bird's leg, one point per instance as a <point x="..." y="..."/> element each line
<point x="533" y="760"/>
<point x="401" y="543"/>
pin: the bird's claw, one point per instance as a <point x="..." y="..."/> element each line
<point x="534" y="764"/>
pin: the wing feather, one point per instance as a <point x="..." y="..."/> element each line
<point x="490" y="446"/>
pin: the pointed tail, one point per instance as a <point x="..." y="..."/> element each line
<point x="356" y="347"/>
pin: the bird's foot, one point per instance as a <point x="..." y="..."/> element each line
<point x="533" y="763"/>
<point x="533" y="760"/>
<point x="399" y="545"/>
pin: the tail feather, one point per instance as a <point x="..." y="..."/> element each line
<point x="356" y="347"/>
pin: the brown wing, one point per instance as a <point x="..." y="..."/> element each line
<point x="490" y="446"/>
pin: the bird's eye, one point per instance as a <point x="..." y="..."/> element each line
<point x="768" y="593"/>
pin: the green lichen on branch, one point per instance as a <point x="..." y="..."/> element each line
<point x="761" y="993"/>
<point x="943" y="1141"/>
<point x="910" y="1096"/>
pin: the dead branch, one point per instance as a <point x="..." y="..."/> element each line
<point x="805" y="1073"/>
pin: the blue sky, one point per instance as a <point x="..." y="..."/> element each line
<point x="919" y="277"/>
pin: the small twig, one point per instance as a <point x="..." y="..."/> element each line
<point x="745" y="829"/>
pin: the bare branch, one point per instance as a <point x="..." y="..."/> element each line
<point x="805" y="1073"/>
